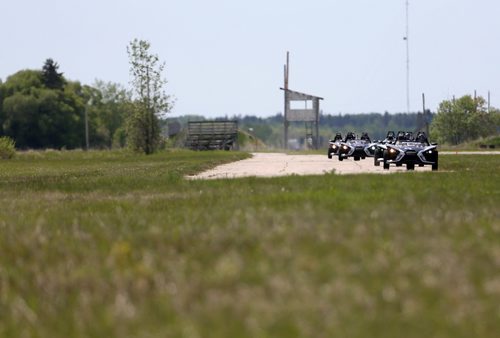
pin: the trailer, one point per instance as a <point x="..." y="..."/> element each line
<point x="212" y="135"/>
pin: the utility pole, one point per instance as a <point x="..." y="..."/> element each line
<point x="286" y="108"/>
<point x="426" y="118"/>
<point x="489" y="100"/>
<point x="407" y="39"/>
<point x="87" y="125"/>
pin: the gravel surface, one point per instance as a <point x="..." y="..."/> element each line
<point x="278" y="164"/>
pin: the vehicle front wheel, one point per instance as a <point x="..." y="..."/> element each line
<point x="341" y="158"/>
<point x="375" y="161"/>
<point x="356" y="158"/>
<point x="329" y="155"/>
<point x="386" y="165"/>
<point x="410" y="166"/>
<point x="435" y="166"/>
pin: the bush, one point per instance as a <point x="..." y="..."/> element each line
<point x="7" y="148"/>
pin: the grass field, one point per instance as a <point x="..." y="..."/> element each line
<point x="107" y="244"/>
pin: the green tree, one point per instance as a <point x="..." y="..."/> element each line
<point x="37" y="113"/>
<point x="22" y="82"/>
<point x="109" y="105"/>
<point x="51" y="77"/>
<point x="20" y="106"/>
<point x="462" y="120"/>
<point x="7" y="148"/>
<point x="36" y="116"/>
<point x="150" y="99"/>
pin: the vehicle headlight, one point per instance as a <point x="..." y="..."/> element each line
<point x="344" y="147"/>
<point x="429" y="152"/>
<point x="392" y="150"/>
<point x="334" y="146"/>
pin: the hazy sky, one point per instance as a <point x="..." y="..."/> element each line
<point x="225" y="57"/>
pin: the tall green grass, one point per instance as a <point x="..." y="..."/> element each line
<point x="108" y="244"/>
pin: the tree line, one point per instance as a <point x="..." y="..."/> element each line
<point x="270" y="129"/>
<point x="42" y="109"/>
<point x="465" y="119"/>
<point x="455" y="122"/>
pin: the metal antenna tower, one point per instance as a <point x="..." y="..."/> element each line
<point x="407" y="39"/>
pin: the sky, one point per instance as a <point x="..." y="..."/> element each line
<point x="226" y="57"/>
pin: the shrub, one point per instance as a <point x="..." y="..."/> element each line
<point x="7" y="148"/>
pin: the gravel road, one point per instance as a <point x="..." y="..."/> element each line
<point x="278" y="164"/>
